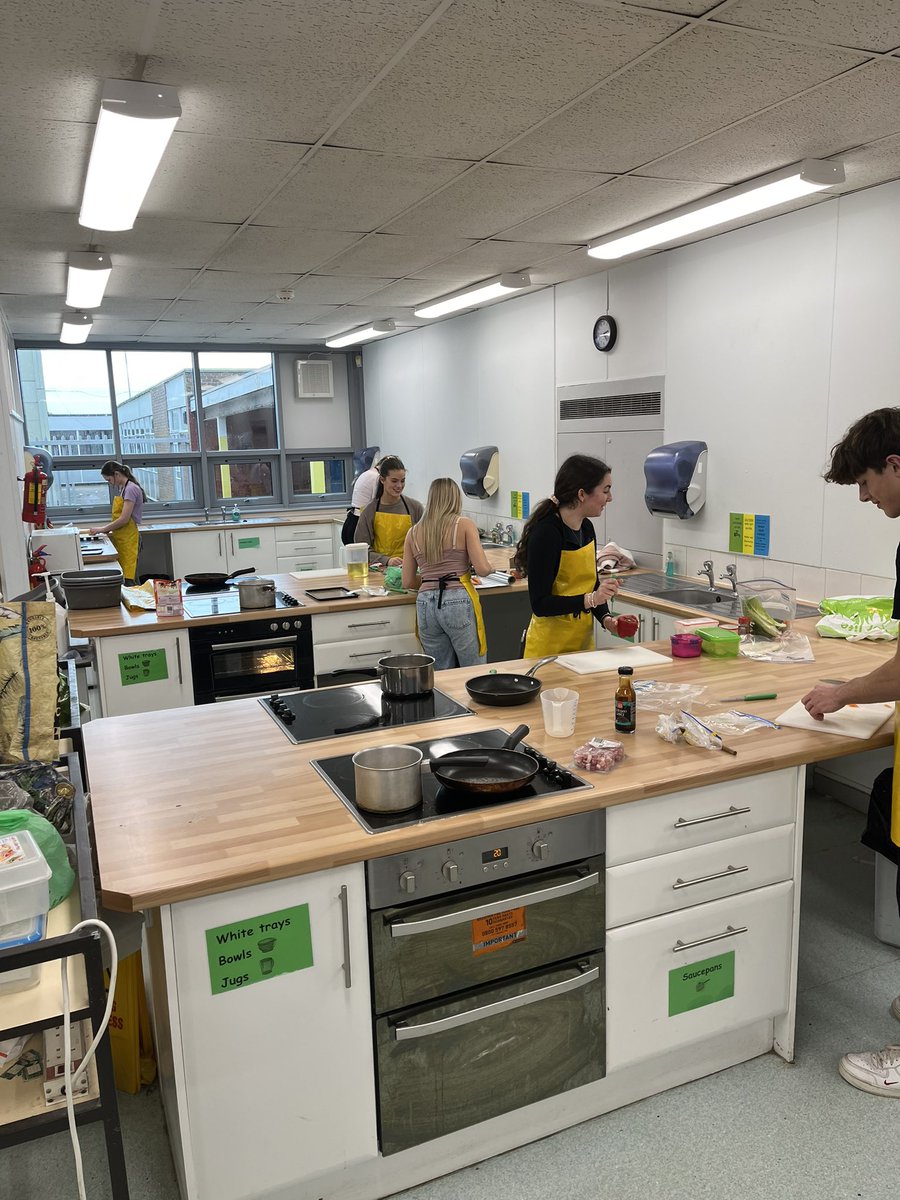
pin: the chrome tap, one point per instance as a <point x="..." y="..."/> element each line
<point x="497" y="533"/>
<point x="730" y="573"/>
<point x="224" y="512"/>
<point x="509" y="537"/>
<point x="709" y="571"/>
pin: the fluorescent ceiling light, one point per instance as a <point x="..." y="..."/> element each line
<point x="811" y="175"/>
<point x="134" y="126"/>
<point x="376" y="329"/>
<point x="89" y="272"/>
<point x="473" y="296"/>
<point x="76" y="327"/>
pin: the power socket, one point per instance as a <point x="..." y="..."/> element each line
<point x="54" y="1063"/>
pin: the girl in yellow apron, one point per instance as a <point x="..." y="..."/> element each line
<point x="558" y="553"/>
<point x="127" y="509"/>
<point x="437" y="557"/>
<point x="385" y="522"/>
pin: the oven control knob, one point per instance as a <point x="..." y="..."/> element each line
<point x="285" y="624"/>
<point x="407" y="882"/>
<point x="540" y="850"/>
<point x="450" y="871"/>
<point x="298" y="624"/>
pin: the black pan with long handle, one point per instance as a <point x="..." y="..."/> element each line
<point x="491" y="772"/>
<point x="214" y="581"/>
<point x="504" y="690"/>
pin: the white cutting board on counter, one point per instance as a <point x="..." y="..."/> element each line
<point x="590" y="662"/>
<point x="859" y="721"/>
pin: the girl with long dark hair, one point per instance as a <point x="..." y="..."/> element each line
<point x="385" y="522"/>
<point x="127" y="509"/>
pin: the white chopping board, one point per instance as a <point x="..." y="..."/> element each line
<point x="591" y="661"/>
<point x="858" y="720"/>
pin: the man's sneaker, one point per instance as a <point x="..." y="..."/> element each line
<point x="878" y="1072"/>
<point x="895" y="1007"/>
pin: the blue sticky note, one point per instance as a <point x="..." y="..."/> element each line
<point x="526" y="504"/>
<point x="760" y="535"/>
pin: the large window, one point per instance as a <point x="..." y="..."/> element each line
<point x="198" y="428"/>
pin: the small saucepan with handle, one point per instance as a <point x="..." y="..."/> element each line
<point x="487" y="771"/>
<point x="503" y="689"/>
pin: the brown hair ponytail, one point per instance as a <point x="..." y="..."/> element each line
<point x="580" y="472"/>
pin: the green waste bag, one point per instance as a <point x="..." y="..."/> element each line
<point x="858" y="618"/>
<point x="50" y="844"/>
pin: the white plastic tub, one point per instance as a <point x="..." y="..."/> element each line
<point x="24" y="878"/>
<point x="17" y="936"/>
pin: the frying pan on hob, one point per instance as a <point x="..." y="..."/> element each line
<point x="491" y="772"/>
<point x="214" y="581"/>
<point x="503" y="689"/>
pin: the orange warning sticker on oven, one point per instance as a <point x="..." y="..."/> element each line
<point x="498" y="930"/>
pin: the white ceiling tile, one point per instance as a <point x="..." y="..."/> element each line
<point x="492" y="198"/>
<point x="336" y="289"/>
<point x="237" y="285"/>
<point x="259" y="248"/>
<point x="148" y="282"/>
<point x="869" y="24"/>
<point x="386" y="253"/>
<point x="182" y="331"/>
<point x="404" y="292"/>
<point x="492" y="258"/>
<point x="157" y="242"/>
<point x="873" y="164"/>
<point x="487" y="72"/>
<point x="33" y="306"/>
<point x="223" y="310"/>
<point x="573" y="265"/>
<point x="690" y="8"/>
<point x="33" y="279"/>
<point x="664" y="101"/>
<point x="114" y="327"/>
<point x="50" y="159"/>
<point x="49" y="235"/>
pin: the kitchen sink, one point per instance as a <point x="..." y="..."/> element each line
<point x="695" y="597"/>
<point x="488" y="545"/>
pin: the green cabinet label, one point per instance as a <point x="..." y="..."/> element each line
<point x="248" y="543"/>
<point x="142" y="666"/>
<point x="258" y="949"/>
<point x="701" y="983"/>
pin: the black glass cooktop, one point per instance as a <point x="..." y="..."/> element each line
<point x="438" y="801"/>
<point x="332" y="712"/>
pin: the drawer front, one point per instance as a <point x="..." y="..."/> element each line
<point x="303" y="560"/>
<point x="317" y="545"/>
<point x="670" y="882"/>
<point x="291" y="534"/>
<point x="364" y="623"/>
<point x="693" y="818"/>
<point x="658" y="970"/>
<point x="336" y="656"/>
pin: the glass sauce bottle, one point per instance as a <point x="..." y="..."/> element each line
<point x="626" y="702"/>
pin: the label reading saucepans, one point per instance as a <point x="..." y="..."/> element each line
<point x="497" y="930"/>
<point x="695" y="985"/>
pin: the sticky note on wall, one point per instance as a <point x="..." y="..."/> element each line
<point x="519" y="504"/>
<point x="748" y="533"/>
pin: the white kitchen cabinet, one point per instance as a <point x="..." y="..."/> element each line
<point x="144" y="672"/>
<point x="305" y="547"/>
<point x="358" y="638"/>
<point x="653" y="625"/>
<point x="269" y="1082"/>
<point x="224" y="550"/>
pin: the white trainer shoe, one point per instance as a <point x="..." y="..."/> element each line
<point x="895" y="1007"/>
<point x="878" y="1072"/>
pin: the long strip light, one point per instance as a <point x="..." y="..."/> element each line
<point x="89" y="272"/>
<point x="133" y="129"/>
<point x="376" y="329"/>
<point x="811" y="175"/>
<point x="76" y="328"/>
<point x="473" y="296"/>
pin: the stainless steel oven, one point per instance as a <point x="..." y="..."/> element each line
<point x="247" y="658"/>
<point x="488" y="978"/>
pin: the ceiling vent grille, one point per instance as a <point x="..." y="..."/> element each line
<point x="630" y="404"/>
<point x="315" y="379"/>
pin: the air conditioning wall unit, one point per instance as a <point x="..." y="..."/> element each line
<point x="315" y="379"/>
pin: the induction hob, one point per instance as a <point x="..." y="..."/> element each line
<point x="228" y="602"/>
<point x="438" y="801"/>
<point x="335" y="711"/>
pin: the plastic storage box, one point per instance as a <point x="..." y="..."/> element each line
<point x="101" y="588"/>
<point x="14" y="937"/>
<point x="24" y="903"/>
<point x="721" y="643"/>
<point x="778" y="599"/>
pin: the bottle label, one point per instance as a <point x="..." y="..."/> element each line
<point x="625" y="715"/>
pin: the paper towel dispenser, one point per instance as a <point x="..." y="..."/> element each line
<point x="675" y="476"/>
<point x="480" y="471"/>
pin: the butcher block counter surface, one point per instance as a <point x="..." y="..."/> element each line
<point x="188" y="802"/>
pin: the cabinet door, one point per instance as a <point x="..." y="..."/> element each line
<point x="144" y="672"/>
<point x="603" y="639"/>
<point x="278" y="1075"/>
<point x="198" y="551"/>
<point x="250" y="547"/>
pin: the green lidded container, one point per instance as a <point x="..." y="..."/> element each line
<point x="720" y="643"/>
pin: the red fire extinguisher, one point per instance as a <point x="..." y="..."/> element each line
<point x="34" y="499"/>
<point x="37" y="565"/>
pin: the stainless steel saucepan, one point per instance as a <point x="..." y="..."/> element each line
<point x="400" y="674"/>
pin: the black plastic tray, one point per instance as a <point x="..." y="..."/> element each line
<point x="331" y="593"/>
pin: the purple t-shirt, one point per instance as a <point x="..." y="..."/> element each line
<point x="132" y="492"/>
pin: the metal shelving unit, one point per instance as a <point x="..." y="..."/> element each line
<point x="39" y="1008"/>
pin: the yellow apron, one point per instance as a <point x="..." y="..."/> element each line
<point x="390" y="531"/>
<point x="576" y="576"/>
<point x="895" y="788"/>
<point x="125" y="540"/>
<point x="466" y="581"/>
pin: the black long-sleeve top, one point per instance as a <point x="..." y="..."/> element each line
<point x="548" y="538"/>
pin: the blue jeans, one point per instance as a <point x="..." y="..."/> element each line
<point x="449" y="633"/>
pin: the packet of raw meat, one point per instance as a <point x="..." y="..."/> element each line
<point x="599" y="754"/>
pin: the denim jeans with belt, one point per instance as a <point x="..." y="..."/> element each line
<point x="449" y="633"/>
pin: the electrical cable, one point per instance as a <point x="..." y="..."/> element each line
<point x="70" y="1079"/>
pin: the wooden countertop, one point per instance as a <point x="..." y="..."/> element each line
<point x="189" y="802"/>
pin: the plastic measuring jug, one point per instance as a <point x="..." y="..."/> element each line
<point x="559" y="707"/>
<point x="356" y="560"/>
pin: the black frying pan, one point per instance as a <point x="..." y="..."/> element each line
<point x="487" y="771"/>
<point x="214" y="581"/>
<point x="504" y="690"/>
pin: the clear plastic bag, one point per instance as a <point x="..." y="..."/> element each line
<point x="599" y="754"/>
<point x="653" y="696"/>
<point x="685" y="727"/>
<point x="790" y="647"/>
<point x="735" y="723"/>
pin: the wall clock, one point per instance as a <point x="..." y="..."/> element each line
<point x="605" y="332"/>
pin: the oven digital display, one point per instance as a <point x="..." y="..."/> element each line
<point x="496" y="855"/>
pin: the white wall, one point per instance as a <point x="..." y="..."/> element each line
<point x="772" y="340"/>
<point x="13" y="568"/>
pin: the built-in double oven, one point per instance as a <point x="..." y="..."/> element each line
<point x="487" y="973"/>
<point x="248" y="658"/>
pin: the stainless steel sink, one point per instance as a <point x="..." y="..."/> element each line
<point x="488" y="545"/>
<point x="695" y="597"/>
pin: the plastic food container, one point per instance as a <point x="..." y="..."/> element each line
<point x="720" y="643"/>
<point x="14" y="937"/>
<point x="93" y="589"/>
<point x="778" y="599"/>
<point x="691" y="624"/>
<point x="24" y="878"/>
<point x="686" y="645"/>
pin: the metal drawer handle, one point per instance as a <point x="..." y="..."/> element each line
<point x="367" y="624"/>
<point x="729" y="870"/>
<point x="345" y="927"/>
<point x="409" y="928"/>
<point x="681" y="823"/>
<point x="371" y="653"/>
<point x="403" y="1033"/>
<point x="730" y="930"/>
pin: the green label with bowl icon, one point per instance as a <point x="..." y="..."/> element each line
<point x="258" y="948"/>
<point x="695" y="985"/>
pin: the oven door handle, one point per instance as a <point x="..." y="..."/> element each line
<point x="282" y="641"/>
<point x="428" y="924"/>
<point x="586" y="975"/>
